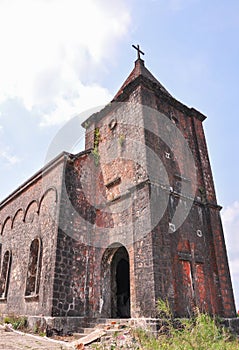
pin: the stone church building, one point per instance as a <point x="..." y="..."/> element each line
<point x="107" y="232"/>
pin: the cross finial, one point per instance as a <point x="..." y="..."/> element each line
<point x="138" y="50"/>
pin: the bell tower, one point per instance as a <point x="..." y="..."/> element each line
<point x="155" y="200"/>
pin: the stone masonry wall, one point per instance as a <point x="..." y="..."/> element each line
<point x="200" y="274"/>
<point x="30" y="213"/>
<point x="123" y="214"/>
<point x="74" y="254"/>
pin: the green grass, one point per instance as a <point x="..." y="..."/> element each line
<point x="20" y="323"/>
<point x="198" y="333"/>
<point x="17" y="322"/>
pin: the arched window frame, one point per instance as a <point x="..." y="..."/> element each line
<point x="5" y="274"/>
<point x="34" y="264"/>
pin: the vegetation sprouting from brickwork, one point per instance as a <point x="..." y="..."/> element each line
<point x="95" y="150"/>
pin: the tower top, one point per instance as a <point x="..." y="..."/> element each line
<point x="140" y="71"/>
<point x="137" y="48"/>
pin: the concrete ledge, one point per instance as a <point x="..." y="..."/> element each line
<point x="232" y="324"/>
<point x="60" y="325"/>
<point x="66" y="325"/>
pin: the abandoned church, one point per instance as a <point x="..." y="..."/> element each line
<point x="133" y="218"/>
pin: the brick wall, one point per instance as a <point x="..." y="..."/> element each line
<point x="30" y="213"/>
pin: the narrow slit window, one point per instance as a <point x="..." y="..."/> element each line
<point x="5" y="274"/>
<point x="34" y="268"/>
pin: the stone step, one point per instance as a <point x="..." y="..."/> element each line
<point x="112" y="331"/>
<point x="110" y="326"/>
<point x="116" y="320"/>
<point x="107" y="328"/>
<point x="88" y="330"/>
<point x="89" y="338"/>
<point x="78" y="335"/>
<point x="108" y="321"/>
<point x="111" y="321"/>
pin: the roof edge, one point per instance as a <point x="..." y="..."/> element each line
<point x="60" y="157"/>
<point x="190" y="111"/>
<point x="51" y="164"/>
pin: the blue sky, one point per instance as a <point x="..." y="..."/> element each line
<point x="61" y="57"/>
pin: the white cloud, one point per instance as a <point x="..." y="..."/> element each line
<point x="231" y="213"/>
<point x="74" y="98"/>
<point x="230" y="219"/>
<point x="49" y="48"/>
<point x="5" y="155"/>
<point x="8" y="158"/>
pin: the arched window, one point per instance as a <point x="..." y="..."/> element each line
<point x="34" y="268"/>
<point x="5" y="274"/>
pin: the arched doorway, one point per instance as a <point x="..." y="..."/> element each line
<point x="120" y="276"/>
<point x="116" y="282"/>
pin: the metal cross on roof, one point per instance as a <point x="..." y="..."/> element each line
<point x="138" y="50"/>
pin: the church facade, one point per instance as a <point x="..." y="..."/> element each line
<point x="107" y="232"/>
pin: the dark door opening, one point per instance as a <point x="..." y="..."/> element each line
<point x="123" y="289"/>
<point x="115" y="289"/>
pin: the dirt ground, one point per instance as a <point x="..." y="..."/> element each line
<point x="16" y="341"/>
<point x="113" y="336"/>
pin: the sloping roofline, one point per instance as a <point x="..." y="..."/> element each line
<point x="61" y="157"/>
